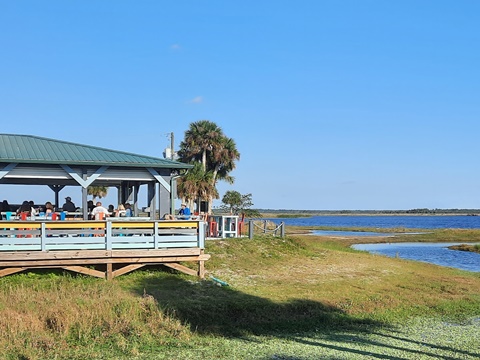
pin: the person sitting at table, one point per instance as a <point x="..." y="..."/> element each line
<point x="168" y="216"/>
<point x="120" y="212"/>
<point x="25" y="208"/>
<point x="33" y="210"/>
<point x="69" y="206"/>
<point x="128" y="210"/>
<point x="99" y="212"/>
<point x="2" y="206"/>
<point x="6" y="210"/>
<point x="184" y="211"/>
<point x="90" y="207"/>
<point x="6" y="206"/>
<point x="49" y="209"/>
<point x="111" y="209"/>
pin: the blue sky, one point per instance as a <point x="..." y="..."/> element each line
<point x="333" y="104"/>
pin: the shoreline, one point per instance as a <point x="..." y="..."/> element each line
<point x="305" y="215"/>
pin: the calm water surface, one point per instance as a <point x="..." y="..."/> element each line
<point x="349" y="233"/>
<point x="410" y="222"/>
<point x="437" y="253"/>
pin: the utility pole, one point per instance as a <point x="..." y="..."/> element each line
<point x="169" y="153"/>
<point x="172" y="142"/>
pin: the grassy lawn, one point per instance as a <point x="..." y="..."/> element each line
<point x="301" y="297"/>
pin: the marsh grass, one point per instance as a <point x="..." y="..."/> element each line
<point x="299" y="290"/>
<point x="465" y="247"/>
<point x="330" y="272"/>
<point x="442" y="235"/>
<point x="45" y="315"/>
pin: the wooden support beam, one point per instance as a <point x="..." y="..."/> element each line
<point x="127" y="269"/>
<point x="80" y="261"/>
<point x="57" y="255"/>
<point x="159" y="259"/>
<point x="86" y="271"/>
<point x="90" y="254"/>
<point x="201" y="269"/>
<point x="201" y="266"/>
<point x="181" y="268"/>
<point x="127" y="260"/>
<point x="109" y="272"/>
<point x="159" y="252"/>
<point x="9" y="271"/>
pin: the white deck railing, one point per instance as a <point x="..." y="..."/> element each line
<point x="42" y="235"/>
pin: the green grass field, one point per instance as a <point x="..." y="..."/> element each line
<point x="301" y="297"/>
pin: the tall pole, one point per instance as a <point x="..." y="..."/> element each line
<point x="172" y="142"/>
<point x="173" y="182"/>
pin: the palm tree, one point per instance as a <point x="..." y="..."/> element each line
<point x="97" y="191"/>
<point x="224" y="158"/>
<point x="223" y="162"/>
<point x="206" y="144"/>
<point x="202" y="137"/>
<point x="196" y="185"/>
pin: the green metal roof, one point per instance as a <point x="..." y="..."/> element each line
<point x="39" y="150"/>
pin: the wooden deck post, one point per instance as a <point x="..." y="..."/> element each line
<point x="109" y="273"/>
<point x="201" y="266"/>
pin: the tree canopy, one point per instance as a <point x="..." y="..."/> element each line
<point x="97" y="191"/>
<point x="239" y="204"/>
<point x="214" y="156"/>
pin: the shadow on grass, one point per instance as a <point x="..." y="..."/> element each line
<point x="220" y="310"/>
<point x="428" y="349"/>
<point x="210" y="309"/>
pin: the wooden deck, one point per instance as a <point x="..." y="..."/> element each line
<point x="104" y="249"/>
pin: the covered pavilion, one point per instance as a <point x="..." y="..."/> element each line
<point x="33" y="160"/>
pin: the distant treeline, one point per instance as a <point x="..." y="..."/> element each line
<point x="373" y="212"/>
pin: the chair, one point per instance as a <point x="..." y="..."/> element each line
<point x="240" y="227"/>
<point x="212" y="227"/>
<point x="100" y="216"/>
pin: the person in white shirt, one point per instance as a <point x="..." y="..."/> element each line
<point x="99" y="212"/>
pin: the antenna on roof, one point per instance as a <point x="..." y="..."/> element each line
<point x="169" y="152"/>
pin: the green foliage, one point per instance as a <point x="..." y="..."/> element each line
<point x="196" y="184"/>
<point x="232" y="200"/>
<point x="238" y="204"/>
<point x="206" y="144"/>
<point x="465" y="247"/>
<point x="97" y="191"/>
<point x="443" y="235"/>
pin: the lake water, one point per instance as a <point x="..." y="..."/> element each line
<point x="410" y="222"/>
<point x="438" y="253"/>
<point x="349" y="233"/>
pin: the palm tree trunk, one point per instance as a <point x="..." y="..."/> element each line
<point x="204" y="160"/>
